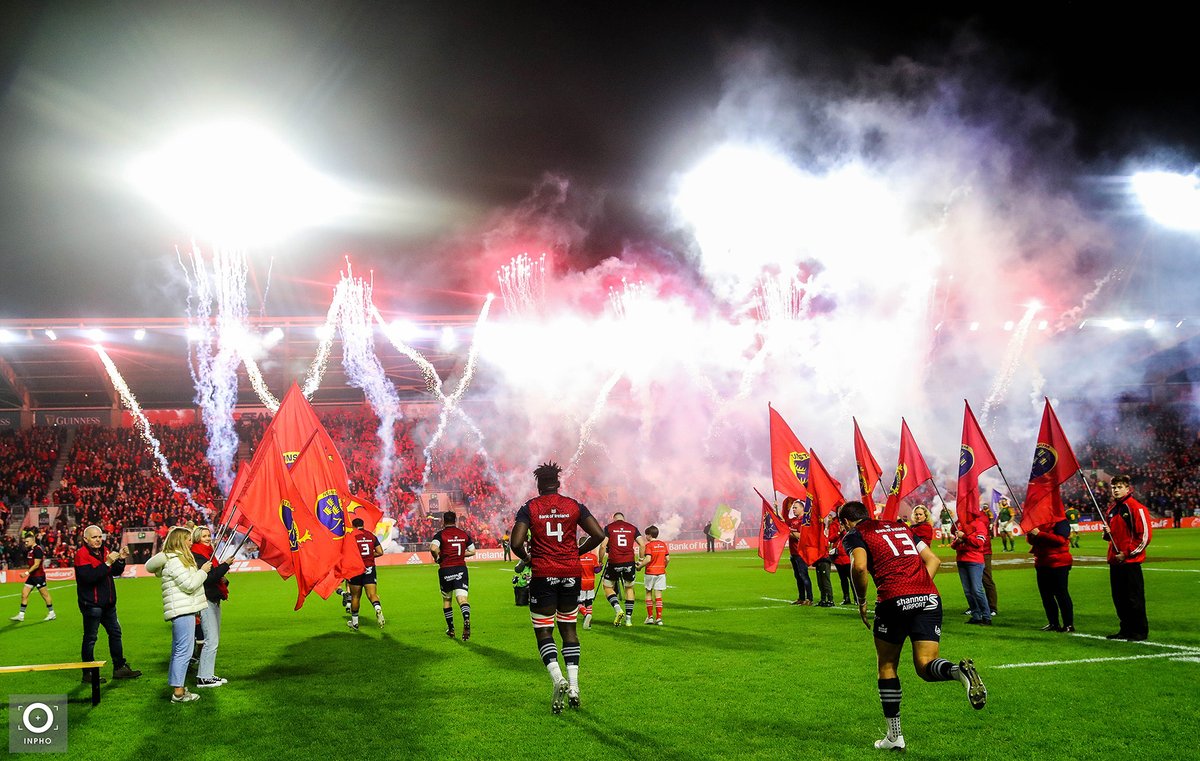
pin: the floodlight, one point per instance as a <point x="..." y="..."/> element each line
<point x="139" y="334"/>
<point x="1172" y="200"/>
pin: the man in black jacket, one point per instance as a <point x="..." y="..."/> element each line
<point x="95" y="569"/>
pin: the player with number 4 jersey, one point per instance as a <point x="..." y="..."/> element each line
<point x="908" y="607"/>
<point x="551" y="522"/>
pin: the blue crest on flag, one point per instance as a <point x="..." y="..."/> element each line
<point x="1044" y="460"/>
<point x="285" y="515"/>
<point x="966" y="460"/>
<point x="329" y="512"/>
<point x="769" y="529"/>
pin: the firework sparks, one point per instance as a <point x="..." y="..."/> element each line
<point x="1008" y="366"/>
<point x="364" y="370"/>
<point x="585" y="430"/>
<point x="523" y="285"/>
<point x="143" y="426"/>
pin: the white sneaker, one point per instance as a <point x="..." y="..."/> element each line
<point x="556" y="700"/>
<point x="658" y="622"/>
<point x="186" y="697"/>
<point x="886" y="744"/>
<point x="213" y="682"/>
<point x="379" y="617"/>
<point x="51" y="615"/>
<point x="352" y="625"/>
<point x="573" y="697"/>
<point x="649" y="620"/>
<point x="629" y="620"/>
<point x="587" y="621"/>
<point x="18" y="617"/>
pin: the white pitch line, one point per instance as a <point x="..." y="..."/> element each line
<point x="1144" y="643"/>
<point x="1087" y="660"/>
<point x="1167" y="570"/>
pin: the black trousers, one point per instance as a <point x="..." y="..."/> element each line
<point x="1052" y="585"/>
<point x="1129" y="597"/>
<point x="823" y="582"/>
<point x="843" y="570"/>
<point x="93" y="618"/>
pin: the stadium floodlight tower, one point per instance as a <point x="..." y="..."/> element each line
<point x="237" y="186"/>
<point x="1172" y="200"/>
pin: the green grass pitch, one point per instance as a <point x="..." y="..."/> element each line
<point x="735" y="673"/>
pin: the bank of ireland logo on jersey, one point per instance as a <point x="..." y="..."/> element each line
<point x="966" y="460"/>
<point x="1044" y="460"/>
<point x="37" y="724"/>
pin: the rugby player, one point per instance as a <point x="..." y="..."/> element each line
<point x="35" y="578"/>
<point x="908" y="607"/>
<point x="623" y="545"/>
<point x="550" y="522"/>
<point x="450" y="548"/>
<point x="369" y="549"/>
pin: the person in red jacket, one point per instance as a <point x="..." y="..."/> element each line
<point x="841" y="561"/>
<point x="95" y="568"/>
<point x="968" y="547"/>
<point x="1051" y="548"/>
<point x="1128" y="535"/>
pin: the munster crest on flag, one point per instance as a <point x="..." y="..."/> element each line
<point x="974" y="457"/>
<point x="911" y="472"/>
<point x="772" y="536"/>
<point x="1053" y="463"/>
<point x="789" y="459"/>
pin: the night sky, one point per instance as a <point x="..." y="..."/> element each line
<point x="451" y="111"/>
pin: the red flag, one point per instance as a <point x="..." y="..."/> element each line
<point x="321" y="489"/>
<point x="789" y="459"/>
<point x="286" y="533"/>
<point x="1053" y="463"/>
<point x="869" y="472"/>
<point x="294" y="424"/>
<point x="772" y="536"/>
<point x="357" y="506"/>
<point x="974" y="457"/>
<point x="911" y="472"/>
<point x="825" y="496"/>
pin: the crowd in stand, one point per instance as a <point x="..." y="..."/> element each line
<point x="111" y="478"/>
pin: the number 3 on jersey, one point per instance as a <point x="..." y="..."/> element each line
<point x="907" y="546"/>
<point x="556" y="531"/>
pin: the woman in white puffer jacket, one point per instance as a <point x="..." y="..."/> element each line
<point x="183" y="598"/>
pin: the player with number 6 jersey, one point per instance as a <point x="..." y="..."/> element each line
<point x="550" y="522"/>
<point x="623" y="546"/>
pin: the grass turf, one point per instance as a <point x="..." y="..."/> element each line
<point x="735" y="673"/>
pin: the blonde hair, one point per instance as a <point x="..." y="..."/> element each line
<point x="196" y="532"/>
<point x="179" y="544"/>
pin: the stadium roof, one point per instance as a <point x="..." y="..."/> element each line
<point x="50" y="364"/>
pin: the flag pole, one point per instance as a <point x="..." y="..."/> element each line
<point x="1011" y="493"/>
<point x="1099" y="510"/>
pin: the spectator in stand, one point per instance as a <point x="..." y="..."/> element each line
<point x="95" y="568"/>
<point x="1051" y="548"/>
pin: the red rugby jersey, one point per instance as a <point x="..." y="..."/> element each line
<point x="553" y="521"/>
<point x="367" y="542"/>
<point x="33" y="555"/>
<point x="892" y="558"/>
<point x="453" y="543"/>
<point x="659" y="552"/>
<point x="587" y="565"/>
<point x="622" y="538"/>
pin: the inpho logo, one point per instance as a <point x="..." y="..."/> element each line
<point x="37" y="724"/>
